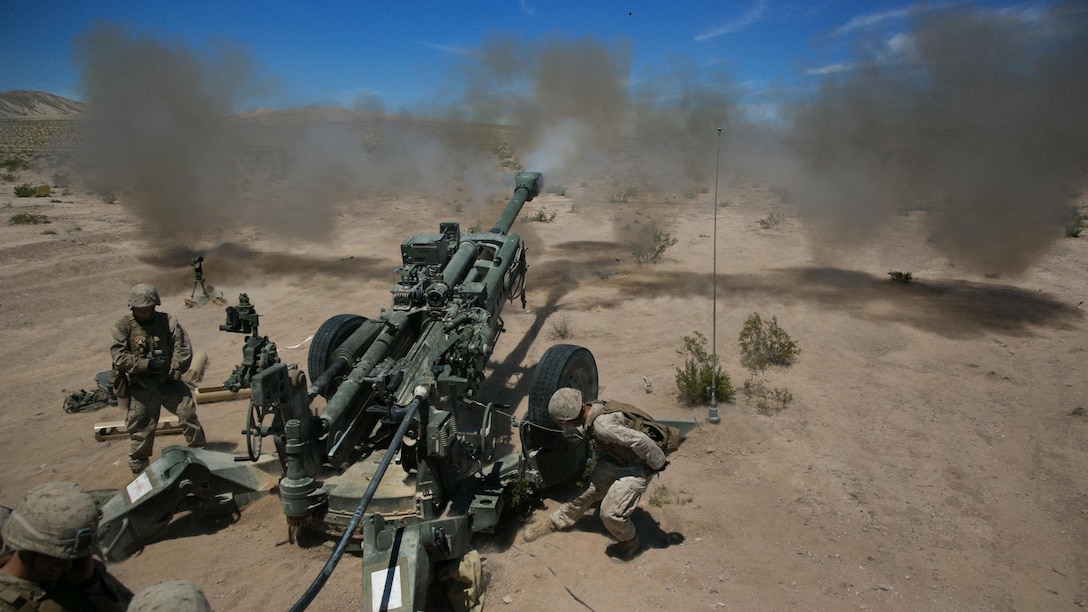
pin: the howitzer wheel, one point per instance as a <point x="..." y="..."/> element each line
<point x="253" y="431"/>
<point x="563" y="365"/>
<point x="327" y="339"/>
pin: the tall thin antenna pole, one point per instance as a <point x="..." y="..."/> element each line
<point x="712" y="414"/>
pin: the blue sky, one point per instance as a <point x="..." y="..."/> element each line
<point x="401" y="54"/>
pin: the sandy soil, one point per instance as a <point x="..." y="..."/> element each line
<point x="933" y="458"/>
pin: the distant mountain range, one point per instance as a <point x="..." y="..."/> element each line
<point x="20" y="104"/>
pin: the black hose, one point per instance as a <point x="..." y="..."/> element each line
<point x="319" y="582"/>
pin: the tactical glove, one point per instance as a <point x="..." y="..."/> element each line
<point x="662" y="468"/>
<point x="157" y="365"/>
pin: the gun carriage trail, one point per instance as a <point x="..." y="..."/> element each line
<point x="933" y="456"/>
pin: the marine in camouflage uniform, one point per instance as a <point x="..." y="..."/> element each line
<point x="153" y="351"/>
<point x="48" y="564"/>
<point x="626" y="461"/>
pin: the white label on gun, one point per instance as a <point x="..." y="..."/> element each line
<point x="380" y="598"/>
<point x="138" y="488"/>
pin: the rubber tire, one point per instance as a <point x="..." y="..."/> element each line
<point x="327" y="339"/>
<point x="253" y="431"/>
<point x="562" y="365"/>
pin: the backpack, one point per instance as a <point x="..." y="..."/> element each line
<point x="666" y="437"/>
<point x="87" y="401"/>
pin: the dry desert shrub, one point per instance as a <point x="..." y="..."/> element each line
<point x="647" y="241"/>
<point x="700" y="372"/>
<point x="28" y="219"/>
<point x="763" y="344"/>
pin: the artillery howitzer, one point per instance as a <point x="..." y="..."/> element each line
<point x="403" y="388"/>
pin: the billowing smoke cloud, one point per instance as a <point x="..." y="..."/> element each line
<point x="158" y="125"/>
<point x="567" y="99"/>
<point x="978" y="117"/>
<point x="161" y="129"/>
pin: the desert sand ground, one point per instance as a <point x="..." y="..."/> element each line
<point x="933" y="458"/>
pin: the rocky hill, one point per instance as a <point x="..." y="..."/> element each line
<point x="20" y="104"/>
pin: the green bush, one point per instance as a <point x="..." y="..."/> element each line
<point x="648" y="242"/>
<point x="901" y="277"/>
<point x="624" y="195"/>
<point x="768" y="400"/>
<point x="26" y="190"/>
<point x="561" y="329"/>
<point x="771" y="221"/>
<point x="28" y="219"/>
<point x="763" y="344"/>
<point x="542" y="216"/>
<point x="700" y="372"/>
<point x="12" y="164"/>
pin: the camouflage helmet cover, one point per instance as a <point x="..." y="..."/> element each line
<point x="58" y="519"/>
<point x="565" y="404"/>
<point x="170" y="596"/>
<point x="142" y="296"/>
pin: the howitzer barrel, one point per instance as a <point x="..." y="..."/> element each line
<point x="527" y="188"/>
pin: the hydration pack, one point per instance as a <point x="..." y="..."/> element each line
<point x="666" y="437"/>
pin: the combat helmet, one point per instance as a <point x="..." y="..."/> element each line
<point x="170" y="596"/>
<point x="58" y="519"/>
<point x="142" y="296"/>
<point x="565" y="404"/>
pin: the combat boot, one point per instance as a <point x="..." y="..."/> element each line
<point x="625" y="551"/>
<point x="138" y="466"/>
<point x="538" y="530"/>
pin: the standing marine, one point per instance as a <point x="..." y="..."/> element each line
<point x="48" y="563"/>
<point x="150" y="353"/>
<point x="626" y="460"/>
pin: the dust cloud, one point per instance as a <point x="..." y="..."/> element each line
<point x="978" y="118"/>
<point x="162" y="133"/>
<point x="158" y="127"/>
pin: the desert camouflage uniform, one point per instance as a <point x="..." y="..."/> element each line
<point x="18" y="595"/>
<point x="134" y="345"/>
<point x="48" y="522"/>
<point x="617" y="484"/>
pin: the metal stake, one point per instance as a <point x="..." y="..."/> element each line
<point x="712" y="414"/>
